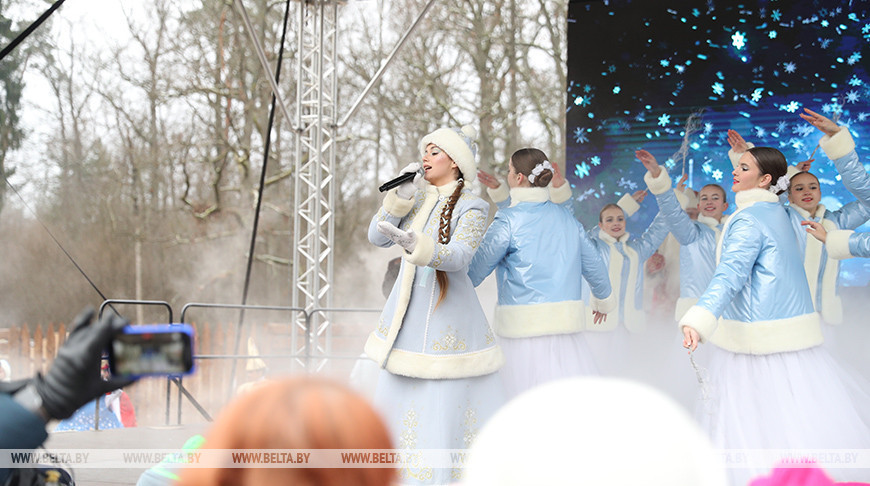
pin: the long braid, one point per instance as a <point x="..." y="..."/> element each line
<point x="444" y="235"/>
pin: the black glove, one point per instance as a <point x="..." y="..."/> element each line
<point x="74" y="378"/>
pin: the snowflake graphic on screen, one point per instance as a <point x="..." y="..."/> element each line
<point x="664" y="119"/>
<point x="580" y="135"/>
<point x="627" y="184"/>
<point x="738" y="40"/>
<point x="791" y="107"/>
<point x="665" y="63"/>
<point x="863" y="116"/>
<point x="595" y="160"/>
<point x="707" y="168"/>
<point x="776" y="15"/>
<point x="718" y="88"/>
<point x="824" y="43"/>
<point x="772" y="34"/>
<point x="789" y="67"/>
<point x="582" y="170"/>
<point x="780" y="127"/>
<point x="708" y="127"/>
<point x="802" y="129"/>
<point x="680" y="68"/>
<point x="670" y="163"/>
<point x="717" y="175"/>
<point x="796" y="143"/>
<point x="852" y="97"/>
<point x="756" y="95"/>
<point x="854" y="81"/>
<point x="855" y="57"/>
<point x="760" y="132"/>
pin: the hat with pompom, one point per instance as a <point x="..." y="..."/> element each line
<point x="459" y="144"/>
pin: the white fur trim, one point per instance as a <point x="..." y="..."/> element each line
<point x="423" y="252"/>
<point x="735" y="156"/>
<point x="628" y="204"/>
<point x="701" y="320"/>
<point x="660" y="184"/>
<point x="499" y="194"/>
<point x="427" y="366"/>
<point x="560" y="194"/>
<point x="768" y="337"/>
<point x="396" y="205"/>
<point x="744" y="199"/>
<point x="450" y="141"/>
<point x="839" y="145"/>
<point x="529" y="194"/>
<point x="682" y="306"/>
<point x="634" y="319"/>
<point x="520" y="321"/>
<point x="837" y="244"/>
<point x="606" y="305"/>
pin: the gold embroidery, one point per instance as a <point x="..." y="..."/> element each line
<point x="449" y="342"/>
<point x="470" y="430"/>
<point x="408" y="440"/>
<point x="471" y="229"/>
<point x="490" y="336"/>
<point x="383" y="329"/>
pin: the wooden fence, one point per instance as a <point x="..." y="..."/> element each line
<point x="211" y="383"/>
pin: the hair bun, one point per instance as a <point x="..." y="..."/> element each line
<point x="469" y="131"/>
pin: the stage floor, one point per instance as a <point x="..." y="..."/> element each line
<point x="148" y="437"/>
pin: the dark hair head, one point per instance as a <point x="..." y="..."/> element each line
<point x="524" y="162"/>
<point x="770" y="161"/>
<point x="605" y="208"/>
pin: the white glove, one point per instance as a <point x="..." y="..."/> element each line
<point x="405" y="239"/>
<point x="408" y="189"/>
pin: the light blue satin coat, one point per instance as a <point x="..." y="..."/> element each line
<point x="760" y="275"/>
<point x="539" y="252"/>
<point x="644" y="245"/>
<point x="850" y="216"/>
<point x="697" y="246"/>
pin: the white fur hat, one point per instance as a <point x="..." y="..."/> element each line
<point x="596" y="431"/>
<point x="460" y="146"/>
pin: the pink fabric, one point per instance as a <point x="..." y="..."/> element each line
<point x="799" y="476"/>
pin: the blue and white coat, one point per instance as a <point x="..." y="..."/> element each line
<point x="415" y="337"/>
<point x="697" y="240"/>
<point x="539" y="275"/>
<point x="822" y="270"/>
<point x="759" y="287"/>
<point x="624" y="259"/>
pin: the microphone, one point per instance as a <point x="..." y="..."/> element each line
<point x="398" y="181"/>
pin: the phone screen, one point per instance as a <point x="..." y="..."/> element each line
<point x="152" y="350"/>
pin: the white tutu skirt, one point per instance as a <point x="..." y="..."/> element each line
<point x="532" y="361"/>
<point x="795" y="400"/>
<point x="435" y="414"/>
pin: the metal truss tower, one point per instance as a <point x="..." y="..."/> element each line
<point x="314" y="181"/>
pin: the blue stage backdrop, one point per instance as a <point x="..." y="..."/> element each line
<point x="673" y="76"/>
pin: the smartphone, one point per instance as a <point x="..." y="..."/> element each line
<point x="152" y="349"/>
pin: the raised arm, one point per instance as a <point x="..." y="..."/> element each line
<point x="493" y="249"/>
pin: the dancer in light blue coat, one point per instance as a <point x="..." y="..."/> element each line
<point x="540" y="253"/>
<point x="770" y="384"/>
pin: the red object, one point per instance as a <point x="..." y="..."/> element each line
<point x="128" y="414"/>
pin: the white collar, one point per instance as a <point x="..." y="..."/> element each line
<point x="820" y="211"/>
<point x="529" y="194"/>
<point x="603" y="236"/>
<point x="711" y="222"/>
<point x="443" y="190"/>
<point x="751" y="196"/>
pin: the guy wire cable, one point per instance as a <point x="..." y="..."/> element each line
<point x="70" y="257"/>
<point x="259" y="201"/>
<point x="29" y="30"/>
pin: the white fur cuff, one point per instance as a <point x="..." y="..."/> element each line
<point x="606" y="305"/>
<point x="560" y="194"/>
<point x="499" y="194"/>
<point x="397" y="206"/>
<point x="839" y="145"/>
<point x="701" y="320"/>
<point x="658" y="185"/>
<point x="628" y="204"/>
<point x="735" y="156"/>
<point x="423" y="252"/>
<point x="837" y="244"/>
